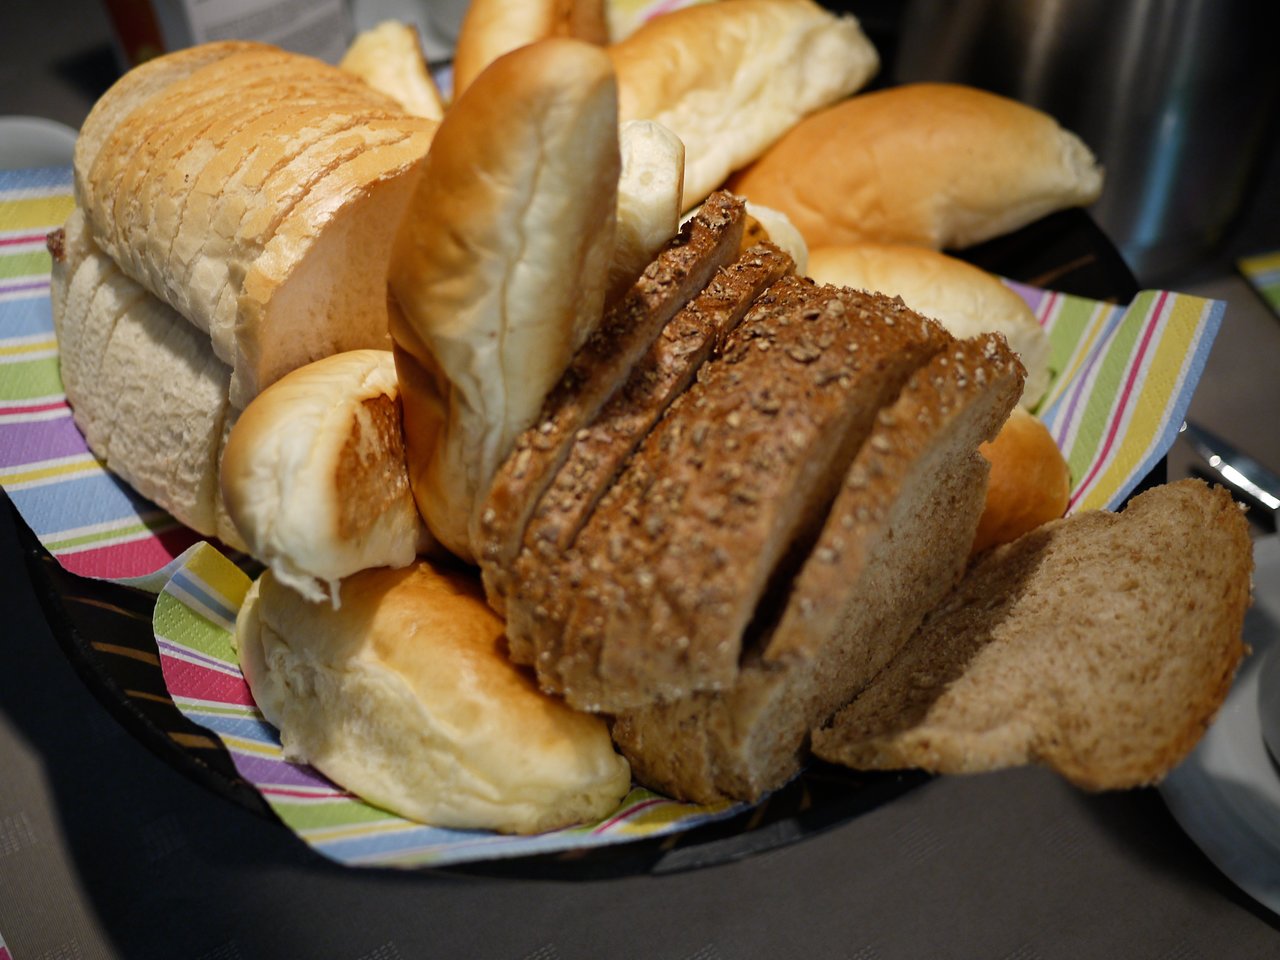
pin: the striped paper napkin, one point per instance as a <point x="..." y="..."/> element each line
<point x="1122" y="379"/>
<point x="1263" y="272"/>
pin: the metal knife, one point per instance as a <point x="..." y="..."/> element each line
<point x="1237" y="470"/>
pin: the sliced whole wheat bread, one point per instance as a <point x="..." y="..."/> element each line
<point x="893" y="544"/>
<point x="707" y="242"/>
<point x="1100" y="645"/>
<point x="599" y="451"/>
<point x="738" y="475"/>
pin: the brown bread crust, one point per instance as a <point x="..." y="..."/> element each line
<point x="893" y="543"/>
<point x="706" y="243"/>
<point x="740" y="472"/>
<point x="599" y="451"/>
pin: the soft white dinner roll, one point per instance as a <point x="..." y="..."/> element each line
<point x="927" y="164"/>
<point x="405" y="697"/>
<point x="389" y="58"/>
<point x="729" y="78"/>
<point x="963" y="298"/>
<point x="314" y="474"/>
<point x="493" y="28"/>
<point x="650" y="198"/>
<point x="501" y="265"/>
<point x="781" y="232"/>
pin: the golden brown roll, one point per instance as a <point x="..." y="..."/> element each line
<point x="927" y="164"/>
<point x="1030" y="482"/>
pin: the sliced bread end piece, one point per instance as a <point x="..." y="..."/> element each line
<point x="1101" y="645"/>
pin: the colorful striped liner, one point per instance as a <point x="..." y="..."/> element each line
<point x="1122" y="380"/>
<point x="1263" y="273"/>
<point x="194" y="624"/>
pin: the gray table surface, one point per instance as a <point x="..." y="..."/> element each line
<point x="106" y="851"/>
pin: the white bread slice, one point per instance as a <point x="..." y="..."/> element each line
<point x="893" y="544"/>
<point x="650" y="199"/>
<point x="1100" y="645"/>
<point x="230" y="136"/>
<point x="168" y="416"/>
<point x="493" y="28"/>
<point x="128" y="93"/>
<point x="252" y="199"/>
<point x="963" y="298"/>
<point x="319" y="286"/>
<point x="501" y="265"/>
<point x="729" y="78"/>
<point x="314" y="474"/>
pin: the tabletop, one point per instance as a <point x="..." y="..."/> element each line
<point x="106" y="850"/>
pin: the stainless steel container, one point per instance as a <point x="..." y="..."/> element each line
<point x="1177" y="99"/>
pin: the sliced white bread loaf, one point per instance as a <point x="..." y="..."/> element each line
<point x="1100" y="645"/>
<point x="893" y="544"/>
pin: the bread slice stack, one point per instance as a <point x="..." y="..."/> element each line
<point x="742" y="497"/>
<point x="236" y="206"/>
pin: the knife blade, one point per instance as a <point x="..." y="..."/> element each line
<point x="1236" y="469"/>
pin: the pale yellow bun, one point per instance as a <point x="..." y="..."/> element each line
<point x="1029" y="484"/>
<point x="729" y="78"/>
<point x="405" y="697"/>
<point x="314" y="474"/>
<point x="501" y="265"/>
<point x="389" y="58"/>
<point x="765" y="223"/>
<point x="650" y="198"/>
<point x="492" y="28"/>
<point x="933" y="165"/>
<point x="963" y="298"/>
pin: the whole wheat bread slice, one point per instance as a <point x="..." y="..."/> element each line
<point x="599" y="451"/>
<point x="739" y="474"/>
<point x="707" y="242"/>
<point x="1100" y="645"/>
<point x="894" y="543"/>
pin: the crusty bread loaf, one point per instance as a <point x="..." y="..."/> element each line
<point x="257" y="192"/>
<point x="963" y="298"/>
<point x="404" y="697"/>
<point x="1100" y="645"/>
<point x="314" y="474"/>
<point x="1030" y="481"/>
<point x="729" y="78"/>
<point x="673" y="564"/>
<point x="493" y="28"/>
<point x="932" y="165"/>
<point x="893" y="544"/>
<point x="599" y="451"/>
<point x="389" y="58"/>
<point x="501" y="267"/>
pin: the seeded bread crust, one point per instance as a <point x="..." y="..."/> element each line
<point x="894" y="542"/>
<point x="740" y="473"/>
<point x="599" y="451"/>
<point x="707" y="242"/>
<point x="1100" y="645"/>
